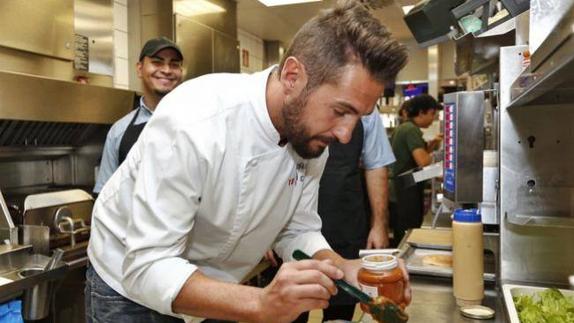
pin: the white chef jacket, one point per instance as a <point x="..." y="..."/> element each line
<point x="205" y="186"/>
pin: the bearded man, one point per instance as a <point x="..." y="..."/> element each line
<point x="229" y="167"/>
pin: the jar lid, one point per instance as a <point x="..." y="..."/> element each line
<point x="467" y="215"/>
<point x="477" y="312"/>
<point x="379" y="262"/>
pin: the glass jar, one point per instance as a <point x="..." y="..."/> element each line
<point x="380" y="275"/>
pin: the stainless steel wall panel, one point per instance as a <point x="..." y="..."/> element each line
<point x="196" y="44"/>
<point x="536" y="185"/>
<point x="84" y="160"/>
<point x="25" y="173"/>
<point x="94" y="19"/>
<point x="208" y="41"/>
<point x="156" y="20"/>
<point x="44" y="27"/>
<point x="62" y="169"/>
<point x="224" y="21"/>
<point x="537" y="159"/>
<point x="225" y="53"/>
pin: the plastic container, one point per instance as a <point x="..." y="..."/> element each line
<point x="11" y="312"/>
<point x="380" y="275"/>
<point x="468" y="257"/>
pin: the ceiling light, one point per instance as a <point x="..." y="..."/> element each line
<point x="406" y="9"/>
<point x="190" y="8"/>
<point x="271" y="3"/>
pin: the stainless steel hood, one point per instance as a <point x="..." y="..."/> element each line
<point x="36" y="111"/>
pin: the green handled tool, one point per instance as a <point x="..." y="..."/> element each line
<point x="387" y="311"/>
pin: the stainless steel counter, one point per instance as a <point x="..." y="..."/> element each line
<point x="433" y="302"/>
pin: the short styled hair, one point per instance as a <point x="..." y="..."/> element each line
<point x="420" y="103"/>
<point x="342" y="35"/>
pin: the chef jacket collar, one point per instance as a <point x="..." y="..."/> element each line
<point x="258" y="99"/>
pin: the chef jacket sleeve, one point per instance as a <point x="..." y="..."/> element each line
<point x="303" y="231"/>
<point x="165" y="200"/>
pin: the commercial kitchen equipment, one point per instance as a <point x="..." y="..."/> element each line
<point x="536" y="179"/>
<point x="536" y="153"/>
<point x="435" y="21"/>
<point x="463" y="147"/>
<point x="51" y="138"/>
<point x="470" y="169"/>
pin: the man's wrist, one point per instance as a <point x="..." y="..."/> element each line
<point x="379" y="224"/>
<point x="257" y="309"/>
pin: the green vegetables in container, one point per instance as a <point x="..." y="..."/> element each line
<point x="549" y="306"/>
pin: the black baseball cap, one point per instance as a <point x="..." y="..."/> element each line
<point x="153" y="46"/>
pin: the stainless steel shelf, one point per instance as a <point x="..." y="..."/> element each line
<point x="550" y="78"/>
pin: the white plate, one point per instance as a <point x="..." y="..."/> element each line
<point x="509" y="291"/>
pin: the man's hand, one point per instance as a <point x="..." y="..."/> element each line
<point x="435" y="142"/>
<point x="378" y="237"/>
<point x="298" y="287"/>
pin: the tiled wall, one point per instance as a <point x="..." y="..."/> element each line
<point x="121" y="67"/>
<point x="250" y="52"/>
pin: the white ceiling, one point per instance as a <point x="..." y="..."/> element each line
<point x="281" y="22"/>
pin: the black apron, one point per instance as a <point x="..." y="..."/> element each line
<point x="342" y="204"/>
<point x="408" y="211"/>
<point x="130" y="137"/>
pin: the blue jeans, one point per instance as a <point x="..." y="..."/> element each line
<point x="105" y="305"/>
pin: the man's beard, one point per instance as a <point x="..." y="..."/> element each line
<point x="295" y="130"/>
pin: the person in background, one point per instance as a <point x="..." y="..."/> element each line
<point x="206" y="191"/>
<point x="159" y="68"/>
<point x="411" y="151"/>
<point x="403" y="117"/>
<point x="351" y="221"/>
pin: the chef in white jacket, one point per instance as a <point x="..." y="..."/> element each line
<point x="228" y="167"/>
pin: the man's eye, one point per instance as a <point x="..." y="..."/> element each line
<point x="339" y="112"/>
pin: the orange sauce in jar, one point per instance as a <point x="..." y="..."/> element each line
<point x="380" y="275"/>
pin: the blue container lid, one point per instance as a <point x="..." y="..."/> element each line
<point x="467" y="215"/>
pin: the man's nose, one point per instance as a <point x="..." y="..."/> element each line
<point x="344" y="132"/>
<point x="165" y="68"/>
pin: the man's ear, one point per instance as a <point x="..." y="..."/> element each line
<point x="293" y="76"/>
<point x="139" y="68"/>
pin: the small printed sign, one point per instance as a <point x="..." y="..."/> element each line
<point x="81" y="53"/>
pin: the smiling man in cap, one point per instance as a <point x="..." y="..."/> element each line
<point x="159" y="68"/>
